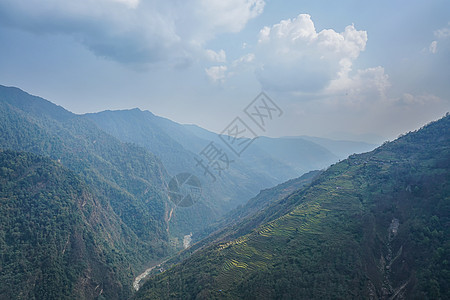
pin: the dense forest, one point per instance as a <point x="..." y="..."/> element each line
<point x="374" y="226"/>
<point x="54" y="239"/>
<point x="127" y="181"/>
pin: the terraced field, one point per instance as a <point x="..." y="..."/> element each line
<point x="332" y="239"/>
<point x="255" y="252"/>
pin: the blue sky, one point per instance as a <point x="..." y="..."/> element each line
<point x="336" y="68"/>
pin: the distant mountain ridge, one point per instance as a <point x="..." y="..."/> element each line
<point x="270" y="161"/>
<point x="296" y="155"/>
<point x="341" y="148"/>
<point x="167" y="140"/>
<point x="265" y="163"/>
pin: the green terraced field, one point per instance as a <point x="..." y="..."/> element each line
<point x="332" y="239"/>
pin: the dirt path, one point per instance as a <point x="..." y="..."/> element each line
<point x="139" y="278"/>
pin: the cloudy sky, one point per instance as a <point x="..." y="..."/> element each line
<point x="338" y="69"/>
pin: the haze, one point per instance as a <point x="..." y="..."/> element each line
<point x="344" y="69"/>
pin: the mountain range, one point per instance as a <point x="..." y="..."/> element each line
<point x="86" y="208"/>
<point x="267" y="162"/>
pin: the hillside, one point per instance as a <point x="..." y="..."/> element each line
<point x="57" y="241"/>
<point x="375" y="226"/>
<point x="269" y="161"/>
<point x="247" y="216"/>
<point x="177" y="147"/>
<point x="242" y="219"/>
<point x="124" y="177"/>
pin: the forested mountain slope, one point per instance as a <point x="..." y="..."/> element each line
<point x="243" y="219"/>
<point x="374" y="226"/>
<point x="178" y="147"/>
<point x="57" y="240"/>
<point x="254" y="212"/>
<point x="126" y="178"/>
<point x="267" y="162"/>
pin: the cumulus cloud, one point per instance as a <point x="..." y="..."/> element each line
<point x="226" y="16"/>
<point x="235" y="68"/>
<point x="133" y="31"/>
<point x="217" y="74"/>
<point x="433" y="47"/>
<point x="368" y="84"/>
<point x="441" y="36"/>
<point x="214" y="56"/>
<point x="295" y="57"/>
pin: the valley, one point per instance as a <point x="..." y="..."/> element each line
<point x="352" y="231"/>
<point x="224" y="150"/>
<point x="350" y="226"/>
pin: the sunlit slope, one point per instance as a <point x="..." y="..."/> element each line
<point x="373" y="226"/>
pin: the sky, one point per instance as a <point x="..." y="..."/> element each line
<point x="366" y="70"/>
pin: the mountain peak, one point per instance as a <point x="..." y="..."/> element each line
<point x="33" y="105"/>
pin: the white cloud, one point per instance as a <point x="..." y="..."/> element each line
<point x="217" y="73"/>
<point x="130" y="3"/>
<point x="294" y="57"/>
<point x="443" y="33"/>
<point x="214" y="56"/>
<point x="441" y="36"/>
<point x="134" y="31"/>
<point x="368" y="84"/>
<point x="227" y="16"/>
<point x="433" y="47"/>
<point x="245" y="59"/>
<point x="235" y="68"/>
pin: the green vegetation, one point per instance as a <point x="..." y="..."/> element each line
<point x="82" y="213"/>
<point x="177" y="147"/>
<point x="244" y="218"/>
<point x="54" y="243"/>
<point x="266" y="163"/>
<point x="127" y="181"/>
<point x="338" y="237"/>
